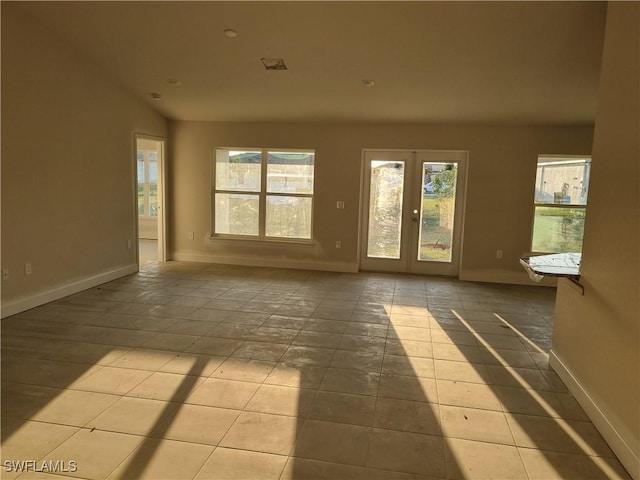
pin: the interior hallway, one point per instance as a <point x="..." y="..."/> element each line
<point x="190" y="370"/>
<point x="147" y="251"/>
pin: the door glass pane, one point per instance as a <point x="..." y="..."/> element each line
<point x="290" y="172"/>
<point x="153" y="167"/>
<point x="288" y="217"/>
<point x="140" y="199"/>
<point x="238" y="170"/>
<point x="237" y="214"/>
<point x="437" y="211"/>
<point x="385" y="209"/>
<point x="153" y="200"/>
<point x="140" y="160"/>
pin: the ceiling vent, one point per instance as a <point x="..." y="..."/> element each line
<point x="274" y="64"/>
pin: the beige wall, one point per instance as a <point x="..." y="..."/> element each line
<point x="67" y="162"/>
<point x="499" y="209"/>
<point x="597" y="336"/>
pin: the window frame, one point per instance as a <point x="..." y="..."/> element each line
<point x="553" y="205"/>
<point x="262" y="195"/>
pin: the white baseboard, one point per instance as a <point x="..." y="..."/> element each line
<point x="620" y="446"/>
<point x="494" y="275"/>
<point x="36" y="299"/>
<point x="342" y="267"/>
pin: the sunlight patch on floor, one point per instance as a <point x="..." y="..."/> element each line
<point x="553" y="413"/>
<point x="520" y="334"/>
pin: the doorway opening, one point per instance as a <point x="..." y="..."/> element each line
<point x="413" y="204"/>
<point x="150" y="168"/>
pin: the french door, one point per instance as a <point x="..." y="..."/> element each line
<point x="412" y="211"/>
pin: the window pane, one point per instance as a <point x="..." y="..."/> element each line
<point x="558" y="230"/>
<point x="153" y="167"/>
<point x="437" y="211"/>
<point x="153" y="200"/>
<point x="385" y="209"/>
<point x="562" y="181"/>
<point x="238" y="170"/>
<point x="288" y="217"/>
<point x="140" y="199"/>
<point x="290" y="172"/>
<point x="140" y="160"/>
<point x="237" y="214"/>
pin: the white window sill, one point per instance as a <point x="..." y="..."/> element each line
<point x="258" y="241"/>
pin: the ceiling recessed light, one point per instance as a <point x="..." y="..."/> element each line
<point x="368" y="83"/>
<point x="274" y="63"/>
<point x="231" y="33"/>
<point x="174" y="82"/>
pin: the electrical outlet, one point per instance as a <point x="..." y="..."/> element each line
<point x="338" y="244"/>
<point x="190" y="235"/>
<point x="499" y="254"/>
<point x="340" y="205"/>
<point x="5" y="274"/>
<point x="27" y="269"/>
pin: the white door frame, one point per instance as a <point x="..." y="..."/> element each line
<point x="412" y="195"/>
<point x="162" y="216"/>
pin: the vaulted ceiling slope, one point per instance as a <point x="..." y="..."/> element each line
<point x="489" y="62"/>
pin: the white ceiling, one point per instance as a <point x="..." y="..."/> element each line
<point x="497" y="62"/>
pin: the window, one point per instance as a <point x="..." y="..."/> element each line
<point x="147" y="183"/>
<point x="562" y="185"/>
<point x="263" y="193"/>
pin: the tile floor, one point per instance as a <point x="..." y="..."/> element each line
<point x="215" y="372"/>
